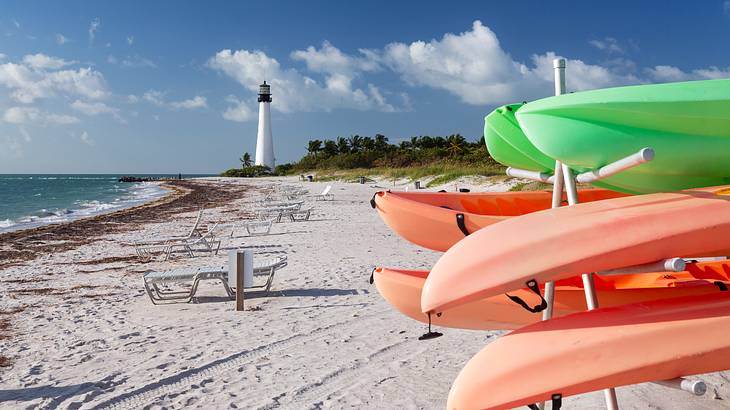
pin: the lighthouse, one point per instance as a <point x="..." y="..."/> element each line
<point x="264" y="140"/>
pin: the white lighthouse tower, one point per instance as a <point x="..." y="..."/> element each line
<point x="264" y="140"/>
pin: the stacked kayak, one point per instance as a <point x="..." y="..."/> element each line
<point x="589" y="351"/>
<point x="687" y="124"/>
<point x="437" y="220"/>
<point x="508" y="145"/>
<point x="568" y="241"/>
<point x="501" y="249"/>
<point x="402" y="289"/>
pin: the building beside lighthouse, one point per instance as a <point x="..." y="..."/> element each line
<point x="264" y="140"/>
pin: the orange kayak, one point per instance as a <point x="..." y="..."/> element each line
<point x="402" y="289"/>
<point x="564" y="242"/>
<point x="437" y="220"/>
<point x="590" y="351"/>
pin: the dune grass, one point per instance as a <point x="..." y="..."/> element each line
<point x="442" y="173"/>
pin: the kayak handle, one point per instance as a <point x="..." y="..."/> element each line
<point x="460" y="223"/>
<point x="532" y="285"/>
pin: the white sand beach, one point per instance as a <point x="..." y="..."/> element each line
<point x="79" y="331"/>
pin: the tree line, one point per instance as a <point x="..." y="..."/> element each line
<point x="377" y="151"/>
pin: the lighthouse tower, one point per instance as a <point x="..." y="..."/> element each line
<point x="264" y="140"/>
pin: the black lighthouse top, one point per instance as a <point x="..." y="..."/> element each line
<point x="264" y="92"/>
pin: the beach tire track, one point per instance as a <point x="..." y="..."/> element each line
<point x="340" y="379"/>
<point x="138" y="398"/>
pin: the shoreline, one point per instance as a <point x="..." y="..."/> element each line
<point x="13" y="243"/>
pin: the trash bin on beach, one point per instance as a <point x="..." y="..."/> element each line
<point x="417" y="184"/>
<point x="310" y="178"/>
<point x="362" y="180"/>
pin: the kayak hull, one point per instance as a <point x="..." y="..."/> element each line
<point x="687" y="124"/>
<point x="402" y="289"/>
<point x="429" y="219"/>
<point x="590" y="351"/>
<point x="508" y="145"/>
<point x="591" y="237"/>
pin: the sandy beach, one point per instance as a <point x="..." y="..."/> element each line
<point x="77" y="329"/>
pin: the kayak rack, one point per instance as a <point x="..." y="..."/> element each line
<point x="564" y="180"/>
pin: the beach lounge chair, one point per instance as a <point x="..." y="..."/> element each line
<point x="325" y="194"/>
<point x="297" y="215"/>
<point x="255" y="228"/>
<point x="194" y="232"/>
<point x="208" y="242"/>
<point x="157" y="284"/>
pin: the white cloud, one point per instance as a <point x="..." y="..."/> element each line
<point x="32" y="115"/>
<point x="132" y="99"/>
<point x="16" y="24"/>
<point x="93" y="28"/>
<point x="329" y="59"/>
<point x="608" y="44"/>
<point x="28" y="83"/>
<point x="667" y="73"/>
<point x="294" y="91"/>
<point x="130" y="40"/>
<point x="61" y="39"/>
<point x="2" y="56"/>
<point x="239" y="111"/>
<point x="138" y="62"/>
<point x="726" y="7"/>
<point x="111" y="59"/>
<point x="84" y="137"/>
<point x="190" y="104"/>
<point x="43" y="62"/>
<point x="96" y="108"/>
<point x="154" y="97"/>
<point x="471" y="65"/>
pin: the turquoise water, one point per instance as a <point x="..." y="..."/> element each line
<point x="32" y="200"/>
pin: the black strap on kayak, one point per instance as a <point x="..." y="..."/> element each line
<point x="532" y="285"/>
<point x="443" y="190"/>
<point x="721" y="285"/>
<point x="556" y="399"/>
<point x="372" y="276"/>
<point x="372" y="200"/>
<point x="429" y="335"/>
<point x="461" y="225"/>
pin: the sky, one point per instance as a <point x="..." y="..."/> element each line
<point x="170" y="86"/>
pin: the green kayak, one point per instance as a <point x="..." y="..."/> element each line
<point x="687" y="124"/>
<point x="508" y="145"/>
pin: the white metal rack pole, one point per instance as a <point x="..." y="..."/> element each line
<point x="557" y="200"/>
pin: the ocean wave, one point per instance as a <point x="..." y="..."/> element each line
<point x="132" y="196"/>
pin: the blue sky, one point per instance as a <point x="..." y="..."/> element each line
<point x="167" y="87"/>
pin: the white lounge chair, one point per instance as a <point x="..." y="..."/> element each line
<point x="255" y="228"/>
<point x="325" y="194"/>
<point x="297" y="215"/>
<point x="194" y="232"/>
<point x="208" y="242"/>
<point x="155" y="281"/>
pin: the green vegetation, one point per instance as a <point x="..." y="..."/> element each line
<point x="445" y="158"/>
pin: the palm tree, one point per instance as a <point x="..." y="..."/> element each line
<point x="455" y="144"/>
<point x="355" y="143"/>
<point x="342" y="146"/>
<point x="314" y="147"/>
<point x="245" y="160"/>
<point x="368" y="143"/>
<point x="381" y="143"/>
<point x="330" y="148"/>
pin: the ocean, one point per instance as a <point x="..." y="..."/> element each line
<point x="27" y="201"/>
